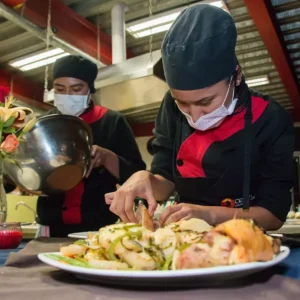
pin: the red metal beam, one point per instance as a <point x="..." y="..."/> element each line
<point x="26" y="90"/>
<point x="70" y="26"/>
<point x="142" y="129"/>
<point x="259" y="12"/>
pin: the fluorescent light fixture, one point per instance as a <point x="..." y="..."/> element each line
<point x="155" y="30"/>
<point x="43" y="62"/>
<point x="161" y="22"/>
<point x="154" y="22"/>
<point x="256" y="81"/>
<point x="36" y="57"/>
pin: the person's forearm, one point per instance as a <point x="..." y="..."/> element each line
<point x="162" y="188"/>
<point x="262" y="216"/>
<point x="112" y="164"/>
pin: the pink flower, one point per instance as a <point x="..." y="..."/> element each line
<point x="4" y="91"/>
<point x="10" y="144"/>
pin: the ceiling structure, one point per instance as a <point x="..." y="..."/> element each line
<point x="75" y="21"/>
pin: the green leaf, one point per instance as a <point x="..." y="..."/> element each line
<point x="9" y="122"/>
<point x="9" y="130"/>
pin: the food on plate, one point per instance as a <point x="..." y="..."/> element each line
<point x="144" y="217"/>
<point x="185" y="244"/>
<point x="233" y="242"/>
<point x="291" y="215"/>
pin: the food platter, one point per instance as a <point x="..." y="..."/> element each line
<point x="184" y="253"/>
<point x="176" y="278"/>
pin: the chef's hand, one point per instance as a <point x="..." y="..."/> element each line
<point x="185" y="211"/>
<point x="99" y="156"/>
<point x="122" y="201"/>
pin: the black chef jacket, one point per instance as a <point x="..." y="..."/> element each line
<point x="84" y="208"/>
<point x="207" y="167"/>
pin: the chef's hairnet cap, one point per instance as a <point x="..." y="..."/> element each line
<point x="76" y="66"/>
<point x="199" y="48"/>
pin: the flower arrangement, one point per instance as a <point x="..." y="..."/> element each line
<point x="12" y="128"/>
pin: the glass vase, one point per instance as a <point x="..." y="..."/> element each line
<point x="3" y="200"/>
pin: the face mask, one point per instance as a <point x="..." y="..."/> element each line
<point x="214" y="118"/>
<point x="73" y="105"/>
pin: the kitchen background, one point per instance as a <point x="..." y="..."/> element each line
<point x="124" y="38"/>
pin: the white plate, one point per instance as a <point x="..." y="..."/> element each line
<point x="177" y="278"/>
<point x="80" y="235"/>
<point x="292" y="221"/>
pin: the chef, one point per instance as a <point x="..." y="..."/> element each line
<point x="115" y="154"/>
<point x="221" y="146"/>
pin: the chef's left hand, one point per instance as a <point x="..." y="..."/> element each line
<point x="184" y="211"/>
<point x="99" y="156"/>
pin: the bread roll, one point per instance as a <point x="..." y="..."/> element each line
<point x="250" y="237"/>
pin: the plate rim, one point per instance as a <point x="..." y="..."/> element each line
<point x="284" y="252"/>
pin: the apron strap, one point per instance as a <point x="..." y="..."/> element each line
<point x="247" y="153"/>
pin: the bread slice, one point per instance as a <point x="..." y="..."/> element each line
<point x="144" y="217"/>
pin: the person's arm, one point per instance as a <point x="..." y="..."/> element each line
<point x="265" y="218"/>
<point x="112" y="163"/>
<point x="124" y="159"/>
<point x="162" y="180"/>
<point x="215" y="215"/>
<point x="157" y="185"/>
<point x="162" y="187"/>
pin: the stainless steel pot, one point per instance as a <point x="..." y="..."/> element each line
<point x="54" y="156"/>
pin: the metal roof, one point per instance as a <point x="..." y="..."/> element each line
<point x="287" y="13"/>
<point x="251" y="52"/>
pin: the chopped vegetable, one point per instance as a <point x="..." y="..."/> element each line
<point x="70" y="261"/>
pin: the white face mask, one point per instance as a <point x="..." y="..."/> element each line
<point x="73" y="105"/>
<point x="214" y="118"/>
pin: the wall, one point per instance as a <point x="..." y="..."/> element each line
<point x="23" y="214"/>
<point x="142" y="143"/>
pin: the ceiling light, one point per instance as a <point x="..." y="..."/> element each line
<point x="43" y="62"/>
<point x="161" y="22"/>
<point x="155" y="30"/>
<point x="256" y="81"/>
<point x="35" y="57"/>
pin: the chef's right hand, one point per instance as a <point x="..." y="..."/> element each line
<point x="122" y="201"/>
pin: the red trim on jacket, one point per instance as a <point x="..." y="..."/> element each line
<point x="195" y="146"/>
<point x="94" y="114"/>
<point x="73" y="198"/>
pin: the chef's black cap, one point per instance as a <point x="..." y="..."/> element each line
<point x="199" y="48"/>
<point x="76" y="66"/>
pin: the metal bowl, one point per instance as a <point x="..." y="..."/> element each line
<point x="54" y="156"/>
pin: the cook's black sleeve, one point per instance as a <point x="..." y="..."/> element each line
<point x="276" y="172"/>
<point x="163" y="144"/>
<point x="125" y="146"/>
